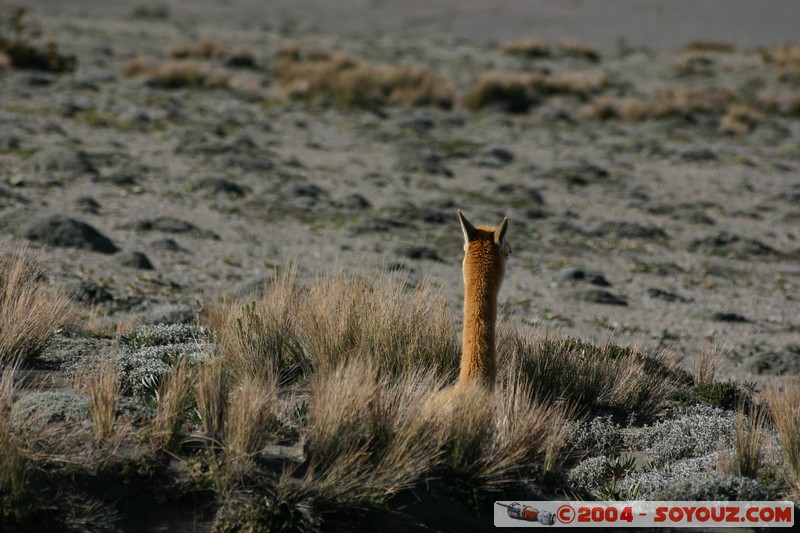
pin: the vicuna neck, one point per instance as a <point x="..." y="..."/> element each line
<point x="481" y="286"/>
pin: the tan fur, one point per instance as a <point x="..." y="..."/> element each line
<point x="485" y="252"/>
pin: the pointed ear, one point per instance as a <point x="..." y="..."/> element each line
<point x="466" y="227"/>
<point x="500" y="232"/>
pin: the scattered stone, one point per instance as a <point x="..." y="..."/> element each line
<point x="625" y="229"/>
<point x="729" y="244"/>
<point x="522" y="193"/>
<point x="570" y="276"/>
<point x="580" y="174"/>
<point x="60" y="161"/>
<point x="420" y="159"/>
<point x="419" y="252"/>
<point x="726" y="316"/>
<point x="356" y="201"/>
<point x="598" y="296"/>
<point x="219" y="185"/>
<point x="168" y="314"/>
<point x="659" y="294"/>
<point x="776" y="362"/>
<point x="698" y="155"/>
<point x="686" y="212"/>
<point x="171" y="225"/>
<point x="62" y="231"/>
<point x="254" y="287"/>
<point x="168" y="245"/>
<point x="88" y="292"/>
<point x="88" y="205"/>
<point x="133" y="259"/>
<point x="496" y="157"/>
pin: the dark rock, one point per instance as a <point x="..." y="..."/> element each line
<point x="169" y="245"/>
<point x="776" y="362"/>
<point x="88" y="292"/>
<point x="356" y="201"/>
<point x="419" y="252"/>
<point x="171" y="225"/>
<point x="570" y="276"/>
<point x="522" y="193"/>
<point x="60" y="161"/>
<point x="691" y="213"/>
<point x="59" y="230"/>
<point x="580" y="174"/>
<point x="420" y="159"/>
<point x="254" y="287"/>
<point x="625" y="229"/>
<point x="168" y="314"/>
<point x="659" y="294"/>
<point x="87" y="204"/>
<point x="598" y="296"/>
<point x="699" y="155"/>
<point x="133" y="259"/>
<point x="725" y="243"/>
<point x="727" y="316"/>
<point x="379" y="225"/>
<point x="219" y="185"/>
<point x="495" y="158"/>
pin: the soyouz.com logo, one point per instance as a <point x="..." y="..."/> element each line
<point x="643" y="514"/>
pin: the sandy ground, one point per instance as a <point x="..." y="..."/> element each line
<point x="665" y="233"/>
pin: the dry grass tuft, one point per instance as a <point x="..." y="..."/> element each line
<point x="517" y="92"/>
<point x="211" y="395"/>
<point x="578" y="50"/>
<point x="12" y="463"/>
<point x="739" y="119"/>
<point x="251" y="418"/>
<point x="172" y="402"/>
<point x="709" y="46"/>
<point x="295" y="330"/>
<point x="529" y="47"/>
<point x="785" y="55"/>
<point x="706" y="364"/>
<point x="347" y="80"/>
<point x="674" y="102"/>
<point x="101" y="385"/>
<point x="582" y="374"/>
<point x="241" y="56"/>
<point x="176" y="74"/>
<point x="30" y="311"/>
<point x="534" y="48"/>
<point x="748" y="439"/>
<point x="784" y="407"/>
<point x="17" y="37"/>
<point x="203" y="48"/>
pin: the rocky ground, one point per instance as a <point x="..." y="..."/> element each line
<point x="664" y="232"/>
<point x="646" y="209"/>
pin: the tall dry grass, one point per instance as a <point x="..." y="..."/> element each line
<point x="177" y="73"/>
<point x="705" y="367"/>
<point x="12" y="463"/>
<point x="516" y="92"/>
<point x="171" y="408"/>
<point x="582" y="374"/>
<point x="348" y="80"/>
<point x="296" y="330"/>
<point x="251" y="418"/>
<point x="30" y="310"/>
<point x="672" y="102"/>
<point x="784" y="408"/>
<point x="101" y="385"/>
<point x="211" y="394"/>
